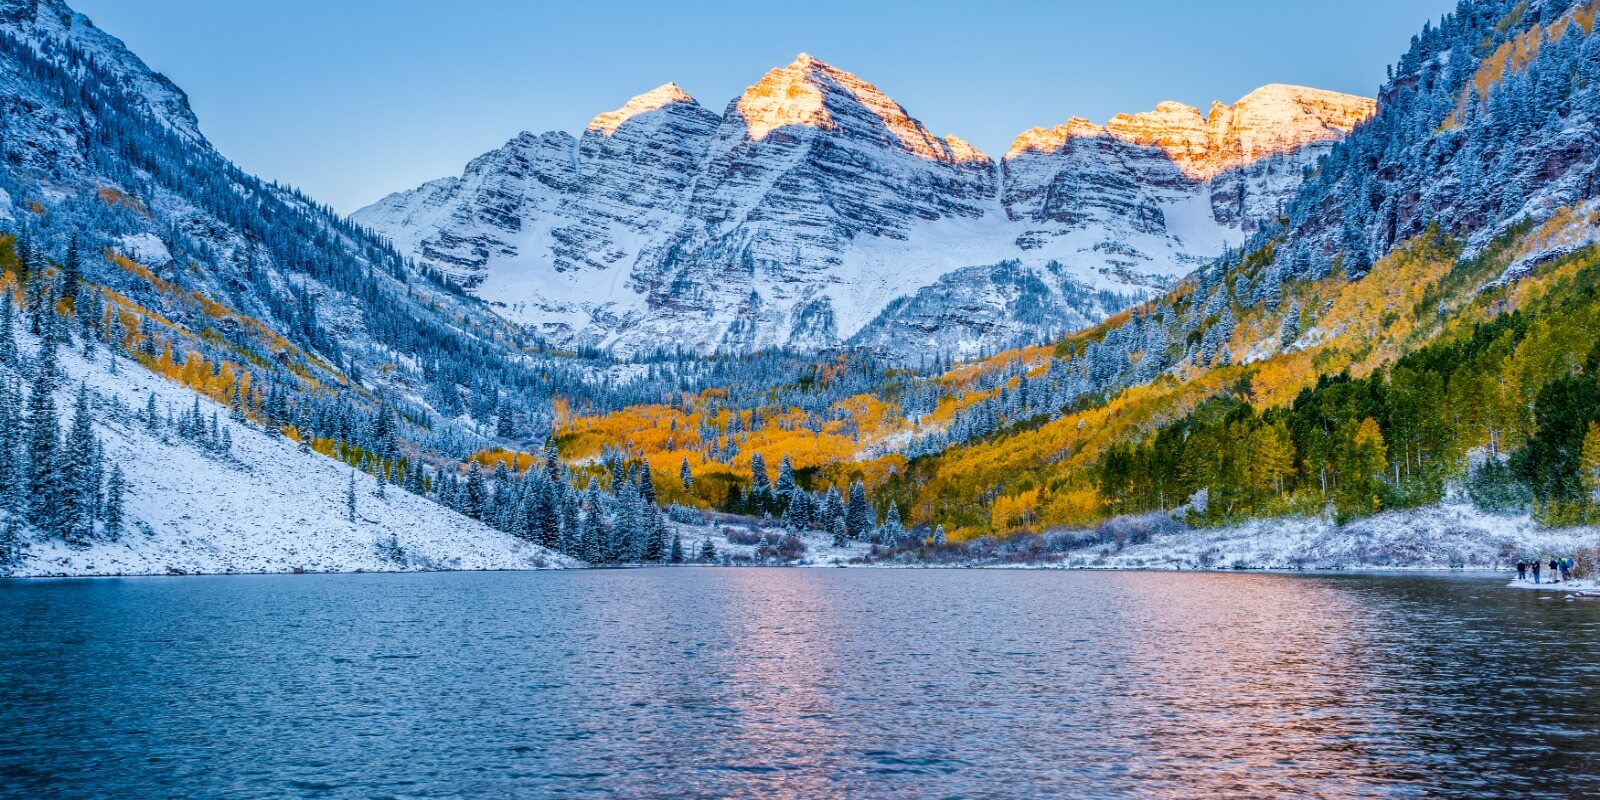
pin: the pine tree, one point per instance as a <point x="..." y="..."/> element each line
<point x="786" y="483"/>
<point x="8" y="342"/>
<point x="647" y="484"/>
<point x="858" y="515"/>
<point x="115" y="488"/>
<point x="350" y="499"/>
<point x="71" y="272"/>
<point x="708" y="551"/>
<point x="475" y="494"/>
<point x="11" y="460"/>
<point x="841" y="536"/>
<point x="938" y="535"/>
<point x="892" y="529"/>
<point x="675" y="556"/>
<point x="686" y="477"/>
<point x="760" y="482"/>
<point x="552" y="460"/>
<point x="11" y="541"/>
<point x="42" y="449"/>
<point x="594" y="526"/>
<point x="78" y="487"/>
<point x="1289" y="329"/>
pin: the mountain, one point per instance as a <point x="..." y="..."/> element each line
<point x="816" y="211"/>
<point x="129" y="242"/>
<point x="1413" y="334"/>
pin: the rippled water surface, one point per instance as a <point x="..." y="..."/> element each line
<point x="797" y="683"/>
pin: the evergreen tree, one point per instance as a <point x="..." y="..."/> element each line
<point x="708" y="551"/>
<point x="115" y="488"/>
<point x="760" y="482"/>
<point x="786" y="484"/>
<point x="858" y="515"/>
<point x="12" y="544"/>
<point x="676" y="554"/>
<point x="552" y="460"/>
<point x="1289" y="329"/>
<point x="78" y="487"/>
<point x="11" y="456"/>
<point x="42" y="451"/>
<point x="475" y="494"/>
<point x="8" y="343"/>
<point x="350" y="499"/>
<point x="647" y="484"/>
<point x="71" y="272"/>
<point x="841" y="536"/>
<point x="594" y="526"/>
<point x="892" y="530"/>
<point x="686" y="477"/>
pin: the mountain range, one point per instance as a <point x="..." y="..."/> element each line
<point x="1354" y="308"/>
<point x="815" y="211"/>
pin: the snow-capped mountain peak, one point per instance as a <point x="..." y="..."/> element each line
<point x="659" y="97"/>
<point x="798" y="217"/>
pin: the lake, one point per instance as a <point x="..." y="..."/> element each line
<point x="797" y="683"/>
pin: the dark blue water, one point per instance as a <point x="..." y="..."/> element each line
<point x="796" y="683"/>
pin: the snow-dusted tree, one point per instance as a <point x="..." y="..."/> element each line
<point x="475" y="494"/>
<point x="675" y="556"/>
<point x="9" y="355"/>
<point x="647" y="483"/>
<point x="350" y="498"/>
<point x="11" y="456"/>
<point x="115" y="489"/>
<point x="77" y="486"/>
<point x="685" y="476"/>
<point x="43" y="444"/>
<point x="892" y="530"/>
<point x="1289" y="329"/>
<point x="841" y="536"/>
<point x="760" y="481"/>
<point x="786" y="483"/>
<point x="858" y="515"/>
<point x="938" y="534"/>
<point x="708" y="551"/>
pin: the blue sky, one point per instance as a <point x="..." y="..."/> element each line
<point x="352" y="99"/>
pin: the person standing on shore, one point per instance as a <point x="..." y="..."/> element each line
<point x="1555" y="576"/>
<point x="1522" y="570"/>
<point x="1566" y="568"/>
<point x="1536" y="567"/>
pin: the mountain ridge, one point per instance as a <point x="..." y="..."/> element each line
<point x="796" y="217"/>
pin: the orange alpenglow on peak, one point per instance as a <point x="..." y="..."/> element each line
<point x="799" y="93"/>
<point x="657" y="98"/>
<point x="1269" y="121"/>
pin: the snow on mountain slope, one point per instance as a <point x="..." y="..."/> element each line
<point x="267" y="506"/>
<point x="797" y="217"/>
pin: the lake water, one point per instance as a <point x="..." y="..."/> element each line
<point x="797" y="683"/>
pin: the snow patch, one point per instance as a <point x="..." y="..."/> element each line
<point x="144" y="248"/>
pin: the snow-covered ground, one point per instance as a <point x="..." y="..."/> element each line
<point x="1445" y="536"/>
<point x="269" y="507"/>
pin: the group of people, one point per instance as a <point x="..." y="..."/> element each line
<point x="1560" y="569"/>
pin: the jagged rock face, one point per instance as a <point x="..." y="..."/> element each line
<point x="796" y="217"/>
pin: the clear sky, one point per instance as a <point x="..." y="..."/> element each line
<point x="353" y="99"/>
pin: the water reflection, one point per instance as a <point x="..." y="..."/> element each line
<point x="788" y="683"/>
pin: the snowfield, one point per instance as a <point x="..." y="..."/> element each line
<point x="1444" y="536"/>
<point x="267" y="507"/>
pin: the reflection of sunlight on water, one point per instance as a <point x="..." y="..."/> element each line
<point x="1256" y="684"/>
<point x="780" y="674"/>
